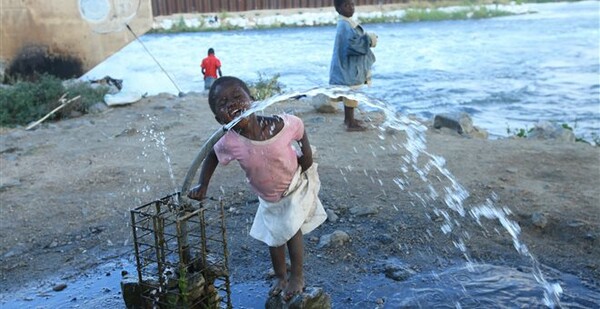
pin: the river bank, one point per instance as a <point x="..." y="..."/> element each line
<point x="310" y="17"/>
<point x="67" y="189"/>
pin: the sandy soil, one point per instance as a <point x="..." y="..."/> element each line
<point x="66" y="189"/>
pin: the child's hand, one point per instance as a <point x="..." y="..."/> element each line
<point x="373" y="38"/>
<point x="197" y="193"/>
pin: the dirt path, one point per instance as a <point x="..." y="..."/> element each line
<point x="66" y="190"/>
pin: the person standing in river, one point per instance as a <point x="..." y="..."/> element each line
<point x="211" y="65"/>
<point x="352" y="58"/>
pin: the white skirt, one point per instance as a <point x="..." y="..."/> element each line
<point x="299" y="209"/>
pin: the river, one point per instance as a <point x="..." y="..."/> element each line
<point x="507" y="72"/>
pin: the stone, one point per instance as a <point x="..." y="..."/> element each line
<point x="396" y="270"/>
<point x="59" y="287"/>
<point x="545" y="130"/>
<point x="364" y="210"/>
<point x="132" y="292"/>
<point x="97" y="108"/>
<point x="539" y="219"/>
<point x="479" y="133"/>
<point x="6" y="183"/>
<point x="461" y="123"/>
<point x="335" y="239"/>
<point x="323" y="104"/>
<point x="311" y="298"/>
<point x="331" y="216"/>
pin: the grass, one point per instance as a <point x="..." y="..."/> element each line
<point x="25" y="101"/>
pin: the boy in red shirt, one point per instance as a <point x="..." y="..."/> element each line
<point x="210" y="66"/>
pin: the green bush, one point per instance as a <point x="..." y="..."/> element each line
<point x="25" y="101"/>
<point x="265" y="87"/>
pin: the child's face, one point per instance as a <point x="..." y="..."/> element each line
<point x="231" y="102"/>
<point x="347" y="9"/>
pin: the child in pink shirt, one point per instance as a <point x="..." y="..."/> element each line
<point x="286" y="182"/>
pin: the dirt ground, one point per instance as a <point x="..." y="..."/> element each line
<point x="66" y="189"/>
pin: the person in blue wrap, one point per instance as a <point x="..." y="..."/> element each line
<point x="352" y="59"/>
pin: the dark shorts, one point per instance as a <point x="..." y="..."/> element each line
<point x="208" y="82"/>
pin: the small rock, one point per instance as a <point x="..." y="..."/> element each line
<point x="461" y="123"/>
<point x="331" y="216"/>
<point x="59" y="287"/>
<point x="545" y="130"/>
<point x="539" y="219"/>
<point x="590" y="236"/>
<point x="98" y="108"/>
<point x="311" y="298"/>
<point x="385" y="239"/>
<point x="53" y="244"/>
<point x="6" y="183"/>
<point x="335" y="239"/>
<point x="398" y="271"/>
<point x="364" y="210"/>
<point x="323" y="104"/>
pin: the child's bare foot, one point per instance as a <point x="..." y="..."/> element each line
<point x="278" y="287"/>
<point x="354" y="122"/>
<point x="294" y="287"/>
<point x="355" y="126"/>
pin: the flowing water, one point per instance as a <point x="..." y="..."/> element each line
<point x="507" y="72"/>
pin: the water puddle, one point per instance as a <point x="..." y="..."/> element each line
<point x="477" y="286"/>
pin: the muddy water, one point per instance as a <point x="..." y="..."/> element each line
<point x="486" y="286"/>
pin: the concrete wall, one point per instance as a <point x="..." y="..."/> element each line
<point x="59" y="25"/>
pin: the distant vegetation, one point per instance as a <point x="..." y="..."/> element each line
<point x="265" y="87"/>
<point x="414" y="12"/>
<point x="28" y="101"/>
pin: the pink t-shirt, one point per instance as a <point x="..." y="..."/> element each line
<point x="269" y="165"/>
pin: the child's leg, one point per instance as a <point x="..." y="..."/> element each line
<point x="351" y="123"/>
<point x="296" y="250"/>
<point x="278" y="261"/>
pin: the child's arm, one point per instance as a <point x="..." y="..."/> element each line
<point x="208" y="168"/>
<point x="358" y="44"/>
<point x="306" y="159"/>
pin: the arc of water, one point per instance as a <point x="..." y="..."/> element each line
<point x="332" y="92"/>
<point x="204" y="150"/>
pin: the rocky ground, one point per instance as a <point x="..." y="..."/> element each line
<point x="66" y="190"/>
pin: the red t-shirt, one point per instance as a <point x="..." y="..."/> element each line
<point x="210" y="64"/>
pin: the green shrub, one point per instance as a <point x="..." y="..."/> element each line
<point x="265" y="87"/>
<point x="26" y="101"/>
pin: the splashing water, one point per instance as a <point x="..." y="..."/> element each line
<point x="158" y="140"/>
<point x="453" y="195"/>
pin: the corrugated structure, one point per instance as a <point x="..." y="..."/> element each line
<point x="170" y="7"/>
